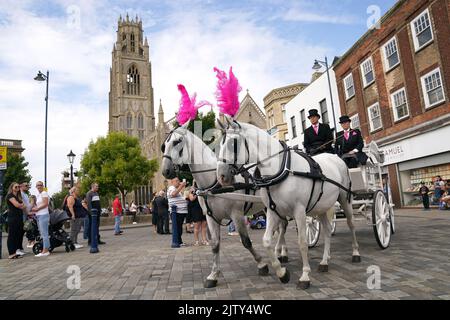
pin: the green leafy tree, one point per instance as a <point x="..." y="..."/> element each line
<point x="208" y="121"/>
<point x="58" y="198"/>
<point x="116" y="163"/>
<point x="17" y="171"/>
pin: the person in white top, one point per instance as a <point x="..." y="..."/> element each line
<point x="133" y="210"/>
<point x="43" y="217"/>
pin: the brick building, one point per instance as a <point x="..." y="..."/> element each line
<point x="394" y="83"/>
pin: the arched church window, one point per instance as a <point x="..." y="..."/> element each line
<point x="141" y="126"/>
<point x="129" y="124"/>
<point x="133" y="81"/>
<point x="133" y="43"/>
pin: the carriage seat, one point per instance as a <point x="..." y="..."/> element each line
<point x="358" y="179"/>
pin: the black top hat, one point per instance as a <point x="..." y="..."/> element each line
<point x="344" y="119"/>
<point x="313" y="113"/>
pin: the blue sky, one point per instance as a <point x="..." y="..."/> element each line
<point x="269" y="43"/>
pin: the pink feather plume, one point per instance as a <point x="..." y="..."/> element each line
<point x="188" y="108"/>
<point x="227" y="93"/>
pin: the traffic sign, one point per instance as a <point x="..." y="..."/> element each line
<point x="3" y="158"/>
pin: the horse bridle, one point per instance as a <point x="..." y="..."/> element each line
<point x="179" y="166"/>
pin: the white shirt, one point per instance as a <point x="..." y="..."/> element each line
<point x="39" y="200"/>
<point x="177" y="200"/>
<point x="26" y="202"/>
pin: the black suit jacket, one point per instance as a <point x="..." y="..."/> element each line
<point x="314" y="143"/>
<point x="160" y="206"/>
<point x="355" y="141"/>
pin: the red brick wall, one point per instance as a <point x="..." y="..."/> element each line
<point x="394" y="184"/>
<point x="383" y="97"/>
<point x="399" y="24"/>
<point x="440" y="11"/>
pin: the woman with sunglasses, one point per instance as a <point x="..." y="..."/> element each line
<point x="15" y="220"/>
<point x="43" y="217"/>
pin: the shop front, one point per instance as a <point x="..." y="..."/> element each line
<point x="417" y="159"/>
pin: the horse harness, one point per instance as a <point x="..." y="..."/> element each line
<point x="285" y="170"/>
<point x="215" y="186"/>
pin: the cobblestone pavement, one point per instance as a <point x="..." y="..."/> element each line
<point x="141" y="265"/>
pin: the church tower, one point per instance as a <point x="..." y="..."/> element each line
<point x="131" y="106"/>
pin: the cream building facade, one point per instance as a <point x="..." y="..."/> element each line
<point x="274" y="106"/>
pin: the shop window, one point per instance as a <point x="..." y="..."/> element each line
<point x="375" y="117"/>
<point x="432" y="88"/>
<point x="400" y="104"/>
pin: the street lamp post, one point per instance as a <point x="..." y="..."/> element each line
<point x="41" y="77"/>
<point x="317" y="66"/>
<point x="71" y="156"/>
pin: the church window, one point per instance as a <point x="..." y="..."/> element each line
<point x="133" y="81"/>
<point x="129" y="123"/>
<point x="141" y="126"/>
<point x="133" y="43"/>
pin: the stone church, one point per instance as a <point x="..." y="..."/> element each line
<point x="131" y="99"/>
<point x="249" y="112"/>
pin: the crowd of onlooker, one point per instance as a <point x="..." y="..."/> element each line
<point x="26" y="210"/>
<point x="440" y="196"/>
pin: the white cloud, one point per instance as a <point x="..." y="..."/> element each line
<point x="301" y="15"/>
<point x="79" y="60"/>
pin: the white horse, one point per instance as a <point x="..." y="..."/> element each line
<point x="292" y="195"/>
<point x="183" y="147"/>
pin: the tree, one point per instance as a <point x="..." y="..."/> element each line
<point x="58" y="198"/>
<point x="16" y="172"/>
<point x="208" y="121"/>
<point x="116" y="163"/>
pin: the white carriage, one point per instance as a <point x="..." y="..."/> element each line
<point x="370" y="203"/>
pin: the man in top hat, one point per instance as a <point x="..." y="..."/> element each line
<point x="318" y="137"/>
<point x="349" y="144"/>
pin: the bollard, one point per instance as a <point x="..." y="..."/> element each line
<point x="94" y="234"/>
<point x="175" y="243"/>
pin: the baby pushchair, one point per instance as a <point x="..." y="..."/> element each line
<point x="56" y="233"/>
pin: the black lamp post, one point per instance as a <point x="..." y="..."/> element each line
<point x="41" y="77"/>
<point x="71" y="157"/>
<point x="317" y="66"/>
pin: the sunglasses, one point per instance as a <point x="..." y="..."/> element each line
<point x="39" y="185"/>
<point x="16" y="187"/>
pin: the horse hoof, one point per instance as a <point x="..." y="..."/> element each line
<point x="356" y="259"/>
<point x="210" y="284"/>
<point x="323" y="268"/>
<point x="283" y="259"/>
<point x="286" y="277"/>
<point x="264" y="271"/>
<point x="303" y="285"/>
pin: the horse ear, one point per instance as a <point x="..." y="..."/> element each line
<point x="220" y="125"/>
<point x="232" y="123"/>
<point x="186" y="125"/>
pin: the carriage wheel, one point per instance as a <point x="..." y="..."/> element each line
<point x="381" y="219"/>
<point x="391" y="216"/>
<point x="312" y="231"/>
